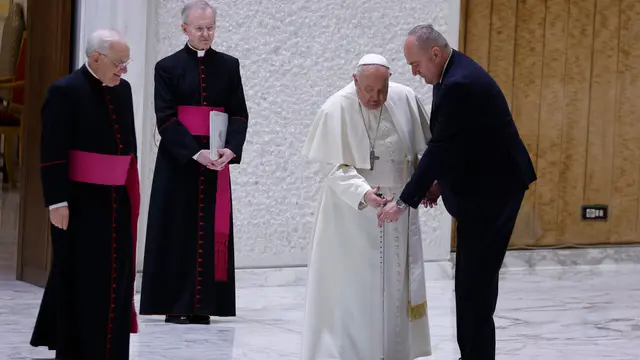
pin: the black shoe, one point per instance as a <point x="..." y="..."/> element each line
<point x="176" y="319"/>
<point x="200" y="319"/>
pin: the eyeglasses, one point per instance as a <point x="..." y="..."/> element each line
<point x="119" y="65"/>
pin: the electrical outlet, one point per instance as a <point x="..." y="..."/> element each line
<point x="595" y="212"/>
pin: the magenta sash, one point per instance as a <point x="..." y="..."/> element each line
<point x="104" y="169"/>
<point x="196" y="120"/>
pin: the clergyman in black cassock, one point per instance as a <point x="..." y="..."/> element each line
<point x="90" y="183"/>
<point x="189" y="272"/>
<point x="483" y="170"/>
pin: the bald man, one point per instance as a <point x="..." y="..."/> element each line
<point x="90" y="185"/>
<point x="366" y="292"/>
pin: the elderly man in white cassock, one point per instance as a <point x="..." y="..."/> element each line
<point x="366" y="296"/>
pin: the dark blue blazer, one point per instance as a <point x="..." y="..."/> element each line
<point x="475" y="152"/>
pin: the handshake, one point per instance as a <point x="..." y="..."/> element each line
<point x="376" y="200"/>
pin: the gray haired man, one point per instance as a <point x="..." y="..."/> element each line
<point x="189" y="272"/>
<point x="90" y="185"/>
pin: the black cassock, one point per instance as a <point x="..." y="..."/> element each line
<point x="88" y="160"/>
<point x="189" y="258"/>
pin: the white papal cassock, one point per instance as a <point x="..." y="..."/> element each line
<point x="344" y="317"/>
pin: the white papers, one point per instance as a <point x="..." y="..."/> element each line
<point x="218" y="122"/>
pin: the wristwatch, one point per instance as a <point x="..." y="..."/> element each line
<point x="401" y="205"/>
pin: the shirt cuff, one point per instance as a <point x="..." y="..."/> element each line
<point x="195" y="157"/>
<point x="58" y="205"/>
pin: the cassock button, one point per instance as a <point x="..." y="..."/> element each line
<point x="204" y="103"/>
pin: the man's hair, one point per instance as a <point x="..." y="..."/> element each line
<point x="428" y="37"/>
<point x="100" y="41"/>
<point x="196" y="5"/>
<point x="361" y="68"/>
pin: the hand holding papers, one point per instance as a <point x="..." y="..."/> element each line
<point x="218" y="122"/>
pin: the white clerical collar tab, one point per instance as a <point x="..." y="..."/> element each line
<point x="200" y="52"/>
<point x="373" y="59"/>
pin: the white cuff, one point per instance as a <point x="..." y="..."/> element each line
<point x="58" y="205"/>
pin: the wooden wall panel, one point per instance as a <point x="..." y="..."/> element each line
<point x="626" y="154"/>
<point x="476" y="42"/>
<point x="602" y="110"/>
<point x="502" y="44"/>
<point x="570" y="71"/>
<point x="575" y="112"/>
<point x="550" y="122"/>
<point x="48" y="53"/>
<point x="525" y="104"/>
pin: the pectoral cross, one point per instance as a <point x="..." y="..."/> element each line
<point x="373" y="158"/>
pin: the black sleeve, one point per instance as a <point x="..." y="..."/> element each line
<point x="445" y="150"/>
<point x="134" y="138"/>
<point x="174" y="136"/>
<point x="238" y="116"/>
<point x="57" y="120"/>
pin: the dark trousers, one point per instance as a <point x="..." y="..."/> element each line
<point x="482" y="241"/>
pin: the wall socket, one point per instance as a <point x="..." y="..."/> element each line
<point x="595" y="212"/>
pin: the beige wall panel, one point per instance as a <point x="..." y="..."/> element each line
<point x="548" y="162"/>
<point x="478" y="17"/>
<point x="527" y="87"/>
<point x="602" y="103"/>
<point x="502" y="44"/>
<point x="576" y="117"/>
<point x="624" y="204"/>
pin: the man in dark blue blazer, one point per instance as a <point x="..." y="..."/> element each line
<point x="479" y="164"/>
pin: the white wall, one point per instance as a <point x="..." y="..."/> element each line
<point x="293" y="57"/>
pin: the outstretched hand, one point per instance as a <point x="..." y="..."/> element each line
<point x="374" y="199"/>
<point x="390" y="213"/>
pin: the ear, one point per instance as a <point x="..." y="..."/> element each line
<point x="184" y="29"/>
<point x="355" y="79"/>
<point x="94" y="57"/>
<point x="436" y="52"/>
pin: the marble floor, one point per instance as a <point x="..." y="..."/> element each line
<point x="552" y="313"/>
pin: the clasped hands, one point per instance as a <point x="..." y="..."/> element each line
<point x="225" y="155"/>
<point x="390" y="212"/>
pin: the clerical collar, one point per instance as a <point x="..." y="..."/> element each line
<point x="444" y="69"/>
<point x="200" y="52"/>
<point x="86" y="64"/>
